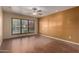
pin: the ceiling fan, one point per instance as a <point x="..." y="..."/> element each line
<point x="37" y="11"/>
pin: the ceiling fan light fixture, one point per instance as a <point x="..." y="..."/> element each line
<point x="39" y="11"/>
<point x="34" y="13"/>
<point x="34" y="9"/>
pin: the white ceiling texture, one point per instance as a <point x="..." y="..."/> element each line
<point x="28" y="10"/>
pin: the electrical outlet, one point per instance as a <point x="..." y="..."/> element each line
<point x="70" y="37"/>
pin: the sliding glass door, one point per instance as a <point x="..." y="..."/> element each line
<point x="21" y="26"/>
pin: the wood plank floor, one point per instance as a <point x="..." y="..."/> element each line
<point x="37" y="44"/>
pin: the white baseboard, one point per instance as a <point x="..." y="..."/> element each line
<point x="61" y="39"/>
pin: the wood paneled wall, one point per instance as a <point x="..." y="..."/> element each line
<point x="63" y="24"/>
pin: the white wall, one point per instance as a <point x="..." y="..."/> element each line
<point x="1" y="27"/>
<point x="7" y="24"/>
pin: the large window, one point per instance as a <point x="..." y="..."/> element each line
<point x="21" y="26"/>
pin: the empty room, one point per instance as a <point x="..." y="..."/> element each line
<point x="39" y="29"/>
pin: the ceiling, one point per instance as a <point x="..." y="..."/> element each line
<point x="27" y="10"/>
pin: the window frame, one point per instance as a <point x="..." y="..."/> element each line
<point x="21" y="26"/>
